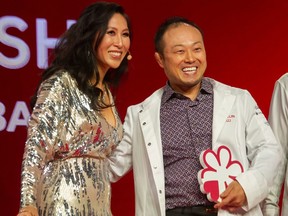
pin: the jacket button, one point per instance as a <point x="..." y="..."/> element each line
<point x="149" y="144"/>
<point x="144" y="123"/>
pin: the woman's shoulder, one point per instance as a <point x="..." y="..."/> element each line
<point x="58" y="85"/>
<point x="59" y="80"/>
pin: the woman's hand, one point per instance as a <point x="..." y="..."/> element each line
<point x="28" y="211"/>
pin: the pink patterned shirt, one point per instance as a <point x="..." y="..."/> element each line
<point x="186" y="130"/>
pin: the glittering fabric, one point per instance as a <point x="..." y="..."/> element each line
<point x="65" y="163"/>
<point x="186" y="130"/>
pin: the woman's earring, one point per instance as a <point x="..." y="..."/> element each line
<point x="129" y="56"/>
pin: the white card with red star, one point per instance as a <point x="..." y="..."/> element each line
<point x="219" y="170"/>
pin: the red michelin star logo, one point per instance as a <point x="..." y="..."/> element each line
<point x="219" y="171"/>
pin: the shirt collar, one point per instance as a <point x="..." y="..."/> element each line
<point x="206" y="88"/>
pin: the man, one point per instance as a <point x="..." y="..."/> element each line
<point x="278" y="119"/>
<point x="168" y="131"/>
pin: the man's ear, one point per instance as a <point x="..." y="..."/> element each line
<point x="159" y="59"/>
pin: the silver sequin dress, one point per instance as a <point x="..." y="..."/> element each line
<point x="65" y="167"/>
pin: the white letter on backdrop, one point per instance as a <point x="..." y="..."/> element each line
<point x="43" y="43"/>
<point x="3" y="121"/>
<point x="23" y="50"/>
<point x="16" y="120"/>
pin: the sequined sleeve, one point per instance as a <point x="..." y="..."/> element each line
<point x="43" y="129"/>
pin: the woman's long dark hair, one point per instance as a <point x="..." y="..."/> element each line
<point x="75" y="52"/>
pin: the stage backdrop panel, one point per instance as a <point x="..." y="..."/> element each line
<point x="246" y="44"/>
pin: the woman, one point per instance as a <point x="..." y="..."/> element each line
<point x="74" y="126"/>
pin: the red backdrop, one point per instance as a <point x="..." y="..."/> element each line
<point x="246" y="44"/>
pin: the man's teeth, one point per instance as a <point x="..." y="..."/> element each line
<point x="189" y="69"/>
